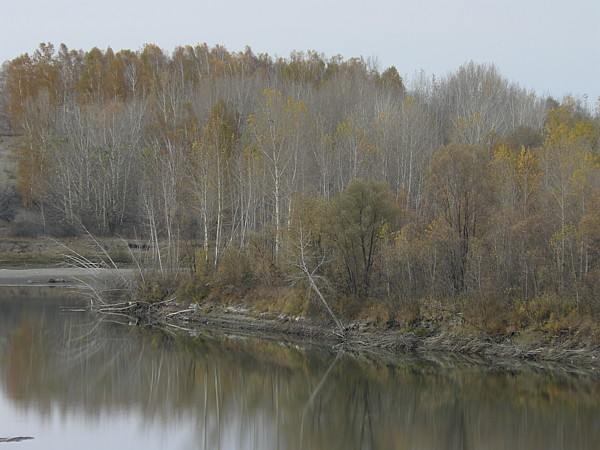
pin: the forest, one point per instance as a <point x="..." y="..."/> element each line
<point x="313" y="176"/>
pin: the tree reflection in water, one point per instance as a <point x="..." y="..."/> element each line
<point x="241" y="392"/>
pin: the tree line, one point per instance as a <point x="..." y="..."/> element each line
<point x="464" y="184"/>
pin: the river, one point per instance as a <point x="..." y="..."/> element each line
<point x="71" y="381"/>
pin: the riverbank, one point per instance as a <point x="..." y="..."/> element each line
<point x="27" y="253"/>
<point x="527" y="347"/>
<point x="450" y="334"/>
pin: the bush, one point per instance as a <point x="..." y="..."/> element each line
<point x="295" y="303"/>
<point x="376" y="312"/>
<point x="487" y="312"/>
<point x="591" y="292"/>
<point x="27" y="224"/>
<point x="408" y="313"/>
<point x="261" y="258"/>
<point x="9" y="204"/>
<point x="235" y="268"/>
<point x="155" y="287"/>
<point x="193" y="289"/>
<point x="547" y="313"/>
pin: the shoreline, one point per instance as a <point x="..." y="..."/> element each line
<point x="391" y="343"/>
<point x="360" y="337"/>
<point x="57" y="276"/>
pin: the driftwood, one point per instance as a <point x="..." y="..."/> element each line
<point x="140" y="312"/>
<point x="15" y="439"/>
<point x="359" y="339"/>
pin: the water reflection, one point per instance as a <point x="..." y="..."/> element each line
<point x="69" y="381"/>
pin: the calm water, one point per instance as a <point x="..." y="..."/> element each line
<point x="71" y="382"/>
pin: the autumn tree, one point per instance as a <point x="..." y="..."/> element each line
<point x="275" y="132"/>
<point x="360" y="220"/>
<point x="459" y="192"/>
<point x="211" y="173"/>
<point x="570" y="140"/>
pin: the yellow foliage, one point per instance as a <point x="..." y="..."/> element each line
<point x="565" y="130"/>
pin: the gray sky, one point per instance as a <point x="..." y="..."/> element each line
<point x="552" y="46"/>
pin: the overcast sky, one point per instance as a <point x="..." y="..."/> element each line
<point x="552" y="46"/>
